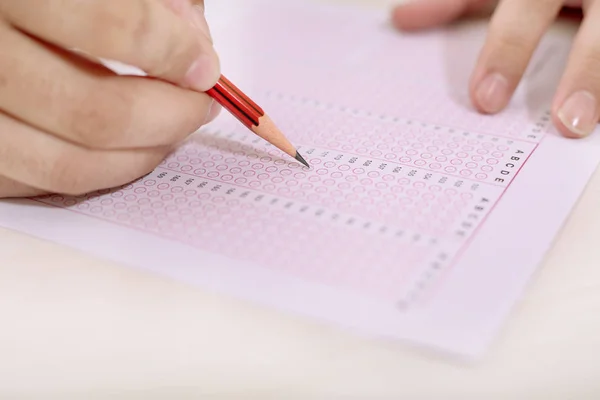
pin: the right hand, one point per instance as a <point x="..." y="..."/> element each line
<point x="69" y="125"/>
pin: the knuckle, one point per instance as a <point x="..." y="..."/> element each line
<point x="103" y="117"/>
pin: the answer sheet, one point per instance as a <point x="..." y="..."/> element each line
<point x="419" y="219"/>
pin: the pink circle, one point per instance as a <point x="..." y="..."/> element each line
<point x="390" y="156"/>
<point x="221" y="167"/>
<point x="263" y="176"/>
<point x="465" y="172"/>
<point x="322" y="171"/>
<point x="208" y="164"/>
<point x="502" y="148"/>
<point x="344" y="185"/>
<point x="482" y="151"/>
<point x="336" y="175"/>
<point x="359" y="171"/>
<point x="435" y="166"/>
<point x="471" y="165"/>
<point x="412" y="192"/>
<point x="176" y="189"/>
<point x="456" y="161"/>
<point x="258" y="166"/>
<point x="497" y="154"/>
<point x="157" y="204"/>
<point x="376" y="153"/>
<point x="230" y="160"/>
<point x="163" y="186"/>
<point x="396" y="189"/>
<point x="241" y="181"/>
<point x="137" y="190"/>
<point x="447" y="152"/>
<point x="227" y="177"/>
<point x="487" y="168"/>
<point x="291" y="182"/>
<point x="248" y="173"/>
<point x="300" y="175"/>
<point x="450" y="169"/>
<point x="381" y="185"/>
<point x="269" y="186"/>
<point x="315" y="161"/>
<point x="313" y="178"/>
<point x="173" y="165"/>
<point x="452" y="145"/>
<point x="388" y="177"/>
<point x="285" y="172"/>
<point x="492" y="161"/>
<point x="244" y="163"/>
<point x="373" y="174"/>
<point x="477" y="158"/>
<point x="119" y="206"/>
<point x="462" y="154"/>
<point x="405" y="159"/>
<point x="411" y="152"/>
<point x="277" y="179"/>
<point x="329" y="182"/>
<point x="420" y="163"/>
<point x="195" y="161"/>
<point x="321" y="189"/>
<point x="344" y="167"/>
<point x="186" y="168"/>
<point x="200" y="171"/>
<point x="150" y="183"/>
<point x="435" y="188"/>
<point x="213" y="174"/>
<point x="190" y="193"/>
<point x="269" y="169"/>
<point x="167" y="197"/>
<point x="428" y="196"/>
<point x="329" y="164"/>
<point x="426" y="155"/>
<point x="481" y="176"/>
<point x="255" y="183"/>
<point x="130" y="197"/>
<point x="441" y="158"/>
<point x="419" y="185"/>
<point x="366" y="182"/>
<point x="235" y="170"/>
<point x="467" y="148"/>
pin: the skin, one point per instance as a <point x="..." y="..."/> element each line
<point x="516" y="27"/>
<point x="68" y="124"/>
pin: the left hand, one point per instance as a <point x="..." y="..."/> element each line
<point x="516" y="28"/>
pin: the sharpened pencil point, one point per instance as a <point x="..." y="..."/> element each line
<point x="301" y="159"/>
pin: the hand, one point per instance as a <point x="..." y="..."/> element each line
<point x="68" y="124"/>
<point x="515" y="31"/>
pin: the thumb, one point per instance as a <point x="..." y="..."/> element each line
<point x="420" y="14"/>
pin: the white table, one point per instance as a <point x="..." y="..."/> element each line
<point x="72" y="326"/>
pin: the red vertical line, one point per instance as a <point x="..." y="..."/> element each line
<point x="224" y="101"/>
<point x="233" y="88"/>
<point x="239" y="103"/>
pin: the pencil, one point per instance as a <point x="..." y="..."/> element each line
<point x="252" y="116"/>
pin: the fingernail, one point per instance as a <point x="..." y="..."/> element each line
<point x="579" y="113"/>
<point x="213" y="112"/>
<point x="204" y="72"/>
<point x="492" y="93"/>
<point x="199" y="21"/>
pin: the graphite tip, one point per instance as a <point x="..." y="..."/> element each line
<point x="301" y="159"/>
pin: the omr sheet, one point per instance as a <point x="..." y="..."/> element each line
<point x="419" y="218"/>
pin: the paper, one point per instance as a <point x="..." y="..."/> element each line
<point x="419" y="220"/>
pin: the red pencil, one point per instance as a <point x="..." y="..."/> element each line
<point x="252" y="116"/>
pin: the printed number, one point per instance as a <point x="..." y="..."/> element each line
<point x="339" y="157"/>
<point x="215" y="188"/>
<point x="175" y="178"/>
<point x="383" y="166"/>
<point x="367" y="163"/>
<point x="162" y="175"/>
<point x="202" y="184"/>
<point x="352" y="160"/>
<point x="230" y="191"/>
<point x="458" y="184"/>
<point x="427" y="176"/>
<point x="443" y="179"/>
<point x="397" y="169"/>
<point x="189" y="181"/>
<point x="412" y="172"/>
<point x="324" y="154"/>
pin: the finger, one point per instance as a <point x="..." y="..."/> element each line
<point x="142" y="33"/>
<point x="11" y="188"/>
<point x="44" y="162"/>
<point x="515" y="31"/>
<point x="421" y="14"/>
<point x="575" y="107"/>
<point x="86" y="103"/>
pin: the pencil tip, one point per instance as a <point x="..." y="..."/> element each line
<point x="301" y="159"/>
